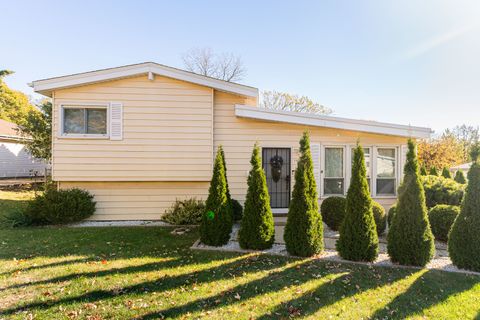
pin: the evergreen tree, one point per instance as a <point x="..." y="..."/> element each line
<point x="304" y="229"/>
<point x="257" y="229"/>
<point x="433" y="171"/>
<point x="464" y="237"/>
<point x="459" y="177"/>
<point x="410" y="239"/>
<point x="217" y="220"/>
<point x="446" y="173"/>
<point x="423" y="171"/>
<point x="358" y="233"/>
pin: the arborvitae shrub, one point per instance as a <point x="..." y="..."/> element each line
<point x="60" y="206"/>
<point x="433" y="171"/>
<point x="391" y="214"/>
<point x="459" y="177"/>
<point x="446" y="173"/>
<point x="304" y="229"/>
<point x="237" y="210"/>
<point x="410" y="240"/>
<point x="380" y="217"/>
<point x="217" y="219"/>
<point x="439" y="190"/>
<point x="257" y="230"/>
<point x="358" y="239"/>
<point x="464" y="237"/>
<point x="229" y="197"/>
<point x="423" y="171"/>
<point x="441" y="219"/>
<point x="188" y="211"/>
<point x="333" y="211"/>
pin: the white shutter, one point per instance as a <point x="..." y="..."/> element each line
<point x="403" y="160"/>
<point x="116" y="121"/>
<point x="315" y="150"/>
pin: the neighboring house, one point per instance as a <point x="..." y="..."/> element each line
<point x="140" y="136"/>
<point x="464" y="167"/>
<point x="15" y="160"/>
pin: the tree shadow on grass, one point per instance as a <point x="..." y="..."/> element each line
<point x="48" y="265"/>
<point x="326" y="294"/>
<point x="430" y="289"/>
<point x="235" y="268"/>
<point x="276" y="281"/>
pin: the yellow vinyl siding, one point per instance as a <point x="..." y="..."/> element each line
<point x="238" y="135"/>
<point x="167" y="133"/>
<point x="137" y="200"/>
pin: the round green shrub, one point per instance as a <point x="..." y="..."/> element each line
<point x="380" y="217"/>
<point x="441" y="219"/>
<point x="391" y="214"/>
<point x="60" y="206"/>
<point x="333" y="211"/>
<point x="440" y="190"/>
<point x="237" y="210"/>
<point x="446" y="173"/>
<point x="188" y="211"/>
<point x="433" y="171"/>
<point x="460" y="177"/>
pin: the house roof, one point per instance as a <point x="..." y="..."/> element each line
<point x="463" y="167"/>
<point x="46" y="86"/>
<point x="8" y="130"/>
<point x="331" y="122"/>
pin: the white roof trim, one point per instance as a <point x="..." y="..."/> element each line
<point x="46" y="86"/>
<point x="331" y="122"/>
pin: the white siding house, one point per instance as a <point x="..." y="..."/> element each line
<point x="15" y="160"/>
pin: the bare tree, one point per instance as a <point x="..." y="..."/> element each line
<point x="282" y="101"/>
<point x="204" y="61"/>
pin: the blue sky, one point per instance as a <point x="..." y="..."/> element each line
<point x="408" y="62"/>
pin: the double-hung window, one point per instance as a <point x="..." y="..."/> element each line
<point x="386" y="164"/>
<point x="88" y="121"/>
<point x="334" y="174"/>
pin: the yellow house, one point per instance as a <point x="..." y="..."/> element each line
<point x="140" y="136"/>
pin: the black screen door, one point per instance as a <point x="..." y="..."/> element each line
<point x="276" y="163"/>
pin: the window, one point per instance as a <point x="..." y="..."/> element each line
<point x="368" y="162"/>
<point x="85" y="121"/>
<point x="386" y="171"/>
<point x="334" y="180"/>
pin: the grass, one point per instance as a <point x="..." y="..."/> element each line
<point x="148" y="273"/>
<point x="13" y="200"/>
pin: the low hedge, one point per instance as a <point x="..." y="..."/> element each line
<point x="333" y="211"/>
<point x="380" y="217"/>
<point x="441" y="219"/>
<point x="60" y="206"/>
<point x="182" y="212"/>
<point x="439" y="190"/>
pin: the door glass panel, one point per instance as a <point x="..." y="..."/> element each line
<point x="276" y="164"/>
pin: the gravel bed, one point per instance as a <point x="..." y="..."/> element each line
<point x="439" y="262"/>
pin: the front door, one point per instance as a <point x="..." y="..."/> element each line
<point x="276" y="163"/>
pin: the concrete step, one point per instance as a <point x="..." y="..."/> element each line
<point x="279" y="220"/>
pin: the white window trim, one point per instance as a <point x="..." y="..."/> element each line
<point x="397" y="171"/>
<point x="77" y="105"/>
<point x="322" y="170"/>
<point x="347" y="168"/>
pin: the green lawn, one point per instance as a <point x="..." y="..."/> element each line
<point x="13" y="200"/>
<point x="147" y="273"/>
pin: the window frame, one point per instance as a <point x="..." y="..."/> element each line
<point x="396" y="171"/>
<point x="323" y="169"/>
<point x="76" y="105"/>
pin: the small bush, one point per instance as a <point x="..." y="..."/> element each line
<point x="441" y="219"/>
<point x="391" y="214"/>
<point x="439" y="190"/>
<point x="333" y="211"/>
<point x="433" y="171"/>
<point x="460" y="177"/>
<point x="380" y="217"/>
<point x="423" y="171"/>
<point x="60" y="206"/>
<point x="188" y="211"/>
<point x="237" y="210"/>
<point x="446" y="173"/>
<point x="15" y="219"/>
